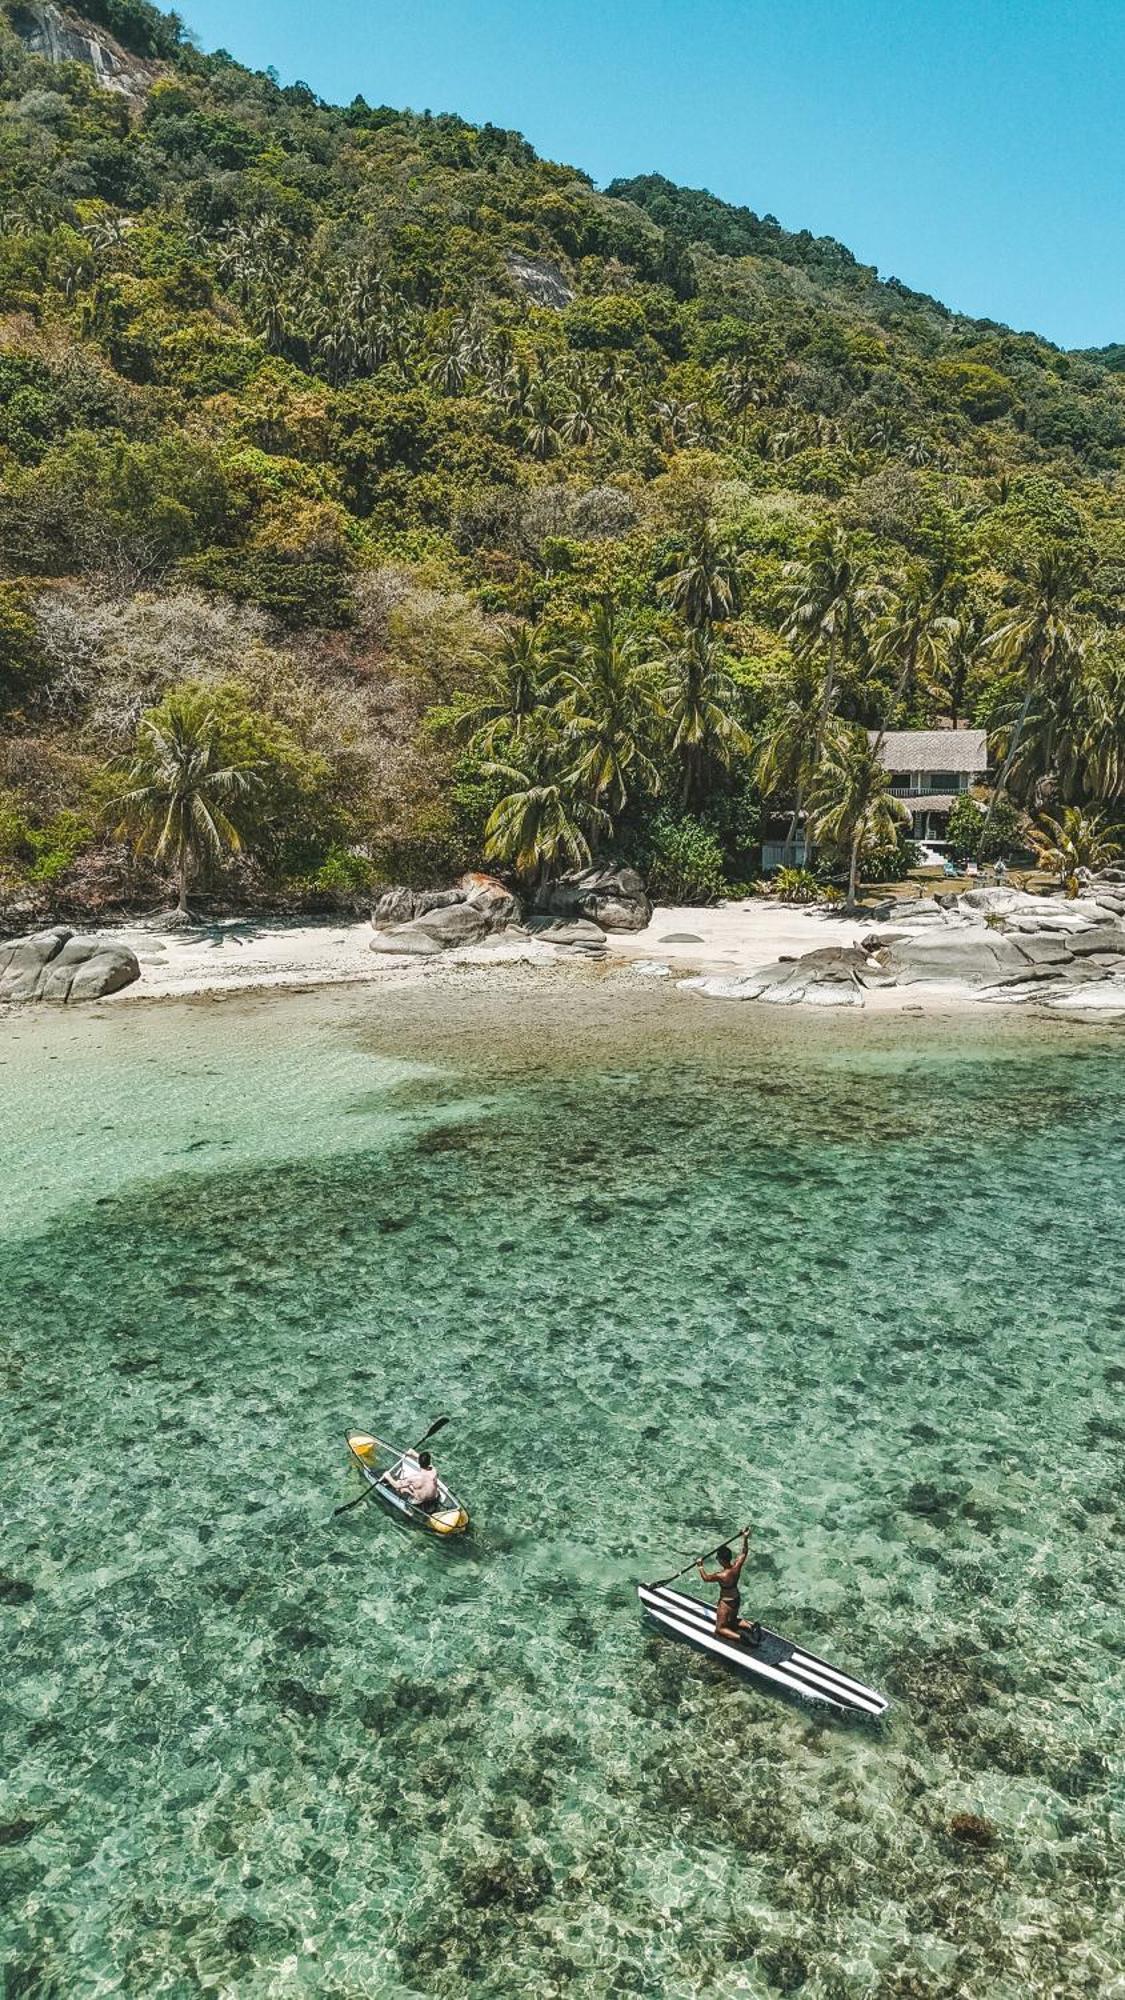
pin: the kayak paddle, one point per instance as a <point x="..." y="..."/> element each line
<point x="437" y="1425"/>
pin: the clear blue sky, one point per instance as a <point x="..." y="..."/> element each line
<point x="973" y="148"/>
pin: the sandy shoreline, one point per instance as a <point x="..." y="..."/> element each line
<point x="256" y="954"/>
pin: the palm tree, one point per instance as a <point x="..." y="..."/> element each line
<point x="516" y="683"/>
<point x="581" y="421"/>
<point x="698" y="699"/>
<point x="541" y="436"/>
<point x="910" y="638"/>
<point x="180" y="800"/>
<point x="831" y="600"/>
<point x="1041" y="641"/>
<point x="1103" y="742"/>
<point x="700" y="578"/>
<point x="783" y="763"/>
<point x="851" y="804"/>
<point x="610" y="709"/>
<point x="1074" y="841"/>
<point x="962" y="656"/>
<point x="543" y="820"/>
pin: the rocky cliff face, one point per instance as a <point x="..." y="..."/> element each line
<point x="62" y="36"/>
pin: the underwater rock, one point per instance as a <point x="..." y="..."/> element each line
<point x="973" y="1829"/>
<point x="56" y="965"/>
<point x="495" y="1879"/>
<point x="13" y="1590"/>
<point x="300" y="1700"/>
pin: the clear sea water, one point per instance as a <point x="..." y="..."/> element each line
<point x="668" y="1265"/>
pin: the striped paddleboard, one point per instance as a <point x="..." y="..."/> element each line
<point x="775" y="1661"/>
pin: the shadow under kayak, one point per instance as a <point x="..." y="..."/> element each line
<point x="774" y="1662"/>
<point x="376" y="1458"/>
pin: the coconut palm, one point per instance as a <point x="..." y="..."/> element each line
<point x="851" y="805"/>
<point x="700" y="578"/>
<point x="581" y="421"/>
<point x="543" y="820"/>
<point x="516" y="683"/>
<point x="832" y="598"/>
<point x="1103" y="744"/>
<point x="962" y="656"/>
<point x="1074" y="841"/>
<point x="1042" y="642"/>
<point x="180" y="798"/>
<point x="610" y="708"/>
<point x="910" y="639"/>
<point x="541" y="436"/>
<point x="699" y="698"/>
<point x="783" y="762"/>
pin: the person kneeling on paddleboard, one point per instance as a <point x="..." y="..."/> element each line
<point x="421" y="1486"/>
<point x="728" y="1624"/>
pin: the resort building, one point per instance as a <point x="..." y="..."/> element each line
<point x="929" y="768"/>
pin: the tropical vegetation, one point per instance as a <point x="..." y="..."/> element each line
<point x="457" y="511"/>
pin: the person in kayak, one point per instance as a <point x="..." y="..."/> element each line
<point x="728" y="1623"/>
<point x="421" y="1485"/>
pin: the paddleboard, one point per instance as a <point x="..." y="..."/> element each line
<point x="776" y="1662"/>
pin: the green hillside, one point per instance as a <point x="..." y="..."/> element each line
<point x="494" y="514"/>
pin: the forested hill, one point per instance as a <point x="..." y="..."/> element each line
<point x="423" y="468"/>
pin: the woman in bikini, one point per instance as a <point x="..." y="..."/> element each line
<point x="728" y="1624"/>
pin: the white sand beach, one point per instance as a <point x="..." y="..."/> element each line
<point x="242" y="955"/>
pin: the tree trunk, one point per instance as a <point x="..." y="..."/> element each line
<point x="791" y="831"/>
<point x="182" y="883"/>
<point x="818" y="740"/>
<point x="687" y="788"/>
<point x="853" y="871"/>
<point x="1010" y="759"/>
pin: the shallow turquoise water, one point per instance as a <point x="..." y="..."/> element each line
<point x="667" y="1268"/>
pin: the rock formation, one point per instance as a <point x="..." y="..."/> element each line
<point x="612" y="896"/>
<point x="1005" y="945"/>
<point x="56" y="965"/>
<point x="47" y="31"/>
<point x="571" y="915"/>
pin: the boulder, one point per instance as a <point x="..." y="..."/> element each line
<point x="831" y="976"/>
<point x="442" y="929"/>
<point x="580" y="935"/>
<point x="452" y="924"/>
<point x="1044" y="947"/>
<point x="1108" y="938"/>
<point x="405" y="941"/>
<point x="613" y="897"/>
<point x="395" y="906"/>
<point x="979" y="956"/>
<point x="56" y="965"/>
<point x="485" y="892"/>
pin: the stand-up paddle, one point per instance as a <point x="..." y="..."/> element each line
<point x="696" y="1560"/>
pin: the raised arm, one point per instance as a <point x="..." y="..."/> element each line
<point x="711" y="1576"/>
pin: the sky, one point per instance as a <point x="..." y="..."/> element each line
<point x="975" y="149"/>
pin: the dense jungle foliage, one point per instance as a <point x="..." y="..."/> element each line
<point x="455" y="509"/>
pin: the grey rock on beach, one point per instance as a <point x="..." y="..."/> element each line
<point x="613" y="896"/>
<point x="57" y="965"/>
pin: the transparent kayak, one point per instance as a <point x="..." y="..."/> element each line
<point x="376" y="1459"/>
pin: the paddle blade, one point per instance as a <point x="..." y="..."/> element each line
<point x="438" y="1424"/>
